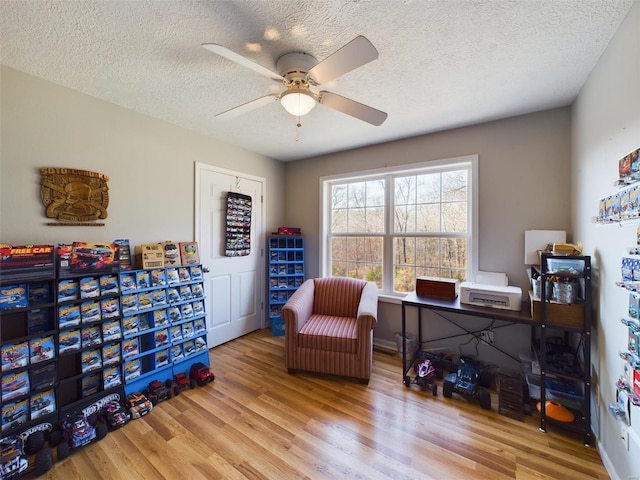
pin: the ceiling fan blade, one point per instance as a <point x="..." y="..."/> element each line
<point x="245" y="62"/>
<point x="353" y="108"/>
<point x="354" y="54"/>
<point x="247" y="107"/>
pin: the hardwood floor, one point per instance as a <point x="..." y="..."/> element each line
<point x="258" y="422"/>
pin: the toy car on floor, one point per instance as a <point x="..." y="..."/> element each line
<point x="201" y="374"/>
<point x="180" y="382"/>
<point x="470" y="381"/>
<point x="13" y="460"/>
<point x="426" y="376"/>
<point x="138" y="405"/>
<point x="77" y="431"/>
<point x="157" y="392"/>
<point x="115" y="415"/>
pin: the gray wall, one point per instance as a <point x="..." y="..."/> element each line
<point x="606" y="127"/>
<point x="150" y="164"/>
<point x="524" y="170"/>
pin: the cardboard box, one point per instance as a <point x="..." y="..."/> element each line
<point x="439" y="287"/>
<point x="150" y="255"/>
<point x="171" y="254"/>
<point x="562" y="314"/>
<point x="189" y="253"/>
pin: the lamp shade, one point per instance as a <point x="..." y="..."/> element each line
<point x="298" y="101"/>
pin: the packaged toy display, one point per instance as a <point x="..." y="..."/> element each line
<point x="111" y="331"/>
<point x="201" y="343"/>
<point x="188" y="330"/>
<point x="143" y="279"/>
<point x="171" y="253"/>
<point x="189" y="253"/>
<point x="198" y="308"/>
<point x="69" y="316"/>
<point x="158" y="298"/>
<point x="41" y="349"/>
<point x="196" y="273"/>
<point x="160" y="318"/>
<point x="14" y="414"/>
<point x="91" y="336"/>
<point x="187" y="311"/>
<point x="176" y="353"/>
<point x="29" y="260"/>
<point x="69" y="341"/>
<point x="130" y="325"/>
<point x="111" y="377"/>
<point x="172" y="276"/>
<point x="90" y="384"/>
<point x="127" y="282"/>
<point x="42" y="403"/>
<point x="184" y="274"/>
<point x="43" y="376"/>
<point x="174" y="314"/>
<point x="109" y="285"/>
<point x="14" y="385"/>
<point x="110" y="308"/>
<point x="199" y="326"/>
<point x="130" y="303"/>
<point x="144" y="323"/>
<point x="91" y="360"/>
<point x="131" y="370"/>
<point x="176" y="332"/>
<point x="197" y="290"/>
<point x="13" y="296"/>
<point x="145" y="300"/>
<point x="90" y="312"/>
<point x="89" y="257"/>
<point x="161" y="337"/>
<point x="130" y="347"/>
<point x="111" y="354"/>
<point x="173" y="295"/>
<point x="158" y="278"/>
<point x="39" y="293"/>
<point x="162" y="358"/>
<point x="68" y="290"/>
<point x="38" y="321"/>
<point x="185" y="293"/>
<point x="125" y="253"/>
<point x="14" y="356"/>
<point x="89" y="287"/>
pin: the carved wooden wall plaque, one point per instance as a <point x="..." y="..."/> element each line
<point x="74" y="196"/>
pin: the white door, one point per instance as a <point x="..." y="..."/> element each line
<point x="234" y="286"/>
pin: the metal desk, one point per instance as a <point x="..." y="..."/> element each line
<point x="510" y="317"/>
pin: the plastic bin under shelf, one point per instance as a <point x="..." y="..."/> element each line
<point x="566" y="399"/>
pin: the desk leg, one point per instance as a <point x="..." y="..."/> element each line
<point x="406" y="379"/>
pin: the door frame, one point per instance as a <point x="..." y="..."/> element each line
<point x="260" y="236"/>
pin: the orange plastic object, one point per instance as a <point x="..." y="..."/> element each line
<point x="557" y="412"/>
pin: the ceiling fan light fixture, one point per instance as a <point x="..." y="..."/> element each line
<point x="298" y="102"/>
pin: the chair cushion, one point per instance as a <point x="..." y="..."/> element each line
<point x="337" y="296"/>
<point x="330" y="333"/>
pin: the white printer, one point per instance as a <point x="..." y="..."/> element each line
<point x="491" y="290"/>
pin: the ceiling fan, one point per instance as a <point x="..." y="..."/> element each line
<point x="299" y="71"/>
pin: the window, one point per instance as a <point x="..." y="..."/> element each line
<point x="392" y="226"/>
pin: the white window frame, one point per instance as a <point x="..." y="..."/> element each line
<point x="470" y="162"/>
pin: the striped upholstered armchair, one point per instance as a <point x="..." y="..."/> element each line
<point x="329" y="326"/>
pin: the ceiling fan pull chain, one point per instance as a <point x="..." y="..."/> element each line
<point x="298" y="125"/>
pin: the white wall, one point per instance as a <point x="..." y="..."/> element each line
<point x="150" y="164"/>
<point x="606" y="126"/>
<point x="524" y="169"/>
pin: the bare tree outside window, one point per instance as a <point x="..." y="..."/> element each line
<point x="426" y="224"/>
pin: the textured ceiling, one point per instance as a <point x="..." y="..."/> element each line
<point x="442" y="64"/>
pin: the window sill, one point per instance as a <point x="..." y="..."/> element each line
<point x="389" y="298"/>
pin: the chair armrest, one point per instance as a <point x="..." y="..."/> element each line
<point x="299" y="307"/>
<point x="368" y="307"/>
